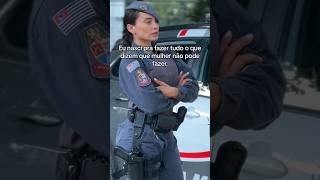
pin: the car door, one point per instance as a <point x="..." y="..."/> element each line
<point x="118" y="100"/>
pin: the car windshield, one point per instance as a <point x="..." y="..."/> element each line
<point x="185" y="47"/>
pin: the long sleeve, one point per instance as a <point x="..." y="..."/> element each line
<point x="189" y="91"/>
<point x="250" y="99"/>
<point x="138" y="86"/>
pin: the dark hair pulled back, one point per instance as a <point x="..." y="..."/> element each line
<point x="130" y="17"/>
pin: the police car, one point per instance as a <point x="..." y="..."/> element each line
<point x="192" y="42"/>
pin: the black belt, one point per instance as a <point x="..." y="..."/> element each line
<point x="162" y="122"/>
<point x="133" y="113"/>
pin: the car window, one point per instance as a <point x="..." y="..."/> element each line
<point x="180" y="44"/>
<point x="299" y="42"/>
<point x="197" y="62"/>
<point x="205" y="68"/>
<point x="115" y="62"/>
<point x="180" y="12"/>
<point x="301" y="60"/>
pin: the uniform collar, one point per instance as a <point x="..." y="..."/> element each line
<point x="133" y="44"/>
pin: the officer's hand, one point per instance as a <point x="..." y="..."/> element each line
<point x="233" y="62"/>
<point x="183" y="78"/>
<point x="167" y="90"/>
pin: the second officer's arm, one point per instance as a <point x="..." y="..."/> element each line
<point x="250" y="99"/>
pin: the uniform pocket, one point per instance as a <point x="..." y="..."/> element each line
<point x="124" y="135"/>
<point x="152" y="145"/>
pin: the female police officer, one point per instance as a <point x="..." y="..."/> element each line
<point x="153" y="91"/>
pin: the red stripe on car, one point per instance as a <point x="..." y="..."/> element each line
<point x="205" y="154"/>
<point x="182" y="32"/>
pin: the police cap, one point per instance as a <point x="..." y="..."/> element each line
<point x="143" y="7"/>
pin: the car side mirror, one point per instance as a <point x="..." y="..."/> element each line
<point x="114" y="64"/>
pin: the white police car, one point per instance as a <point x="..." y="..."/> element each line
<point x="193" y="135"/>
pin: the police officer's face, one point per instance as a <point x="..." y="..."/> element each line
<point x="145" y="30"/>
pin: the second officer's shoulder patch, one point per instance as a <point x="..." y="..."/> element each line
<point x="142" y="78"/>
<point x="97" y="43"/>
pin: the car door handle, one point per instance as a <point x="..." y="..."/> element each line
<point x="122" y="99"/>
<point x="35" y="115"/>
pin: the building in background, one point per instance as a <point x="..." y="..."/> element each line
<point x="116" y="16"/>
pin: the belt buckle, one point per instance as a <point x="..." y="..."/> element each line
<point x="131" y="115"/>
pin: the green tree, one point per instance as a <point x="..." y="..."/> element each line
<point x="173" y="12"/>
<point x="200" y="11"/>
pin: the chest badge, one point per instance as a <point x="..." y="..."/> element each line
<point x="142" y="78"/>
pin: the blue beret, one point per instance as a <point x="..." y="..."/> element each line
<point x="143" y="7"/>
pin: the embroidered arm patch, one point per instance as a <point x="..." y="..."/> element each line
<point x="132" y="66"/>
<point x="97" y="42"/>
<point x="72" y="15"/>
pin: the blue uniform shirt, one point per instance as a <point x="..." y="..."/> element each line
<point x="136" y="80"/>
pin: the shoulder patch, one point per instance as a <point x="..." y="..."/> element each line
<point x="72" y="15"/>
<point x="97" y="43"/>
<point x="132" y="66"/>
<point x="142" y="78"/>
